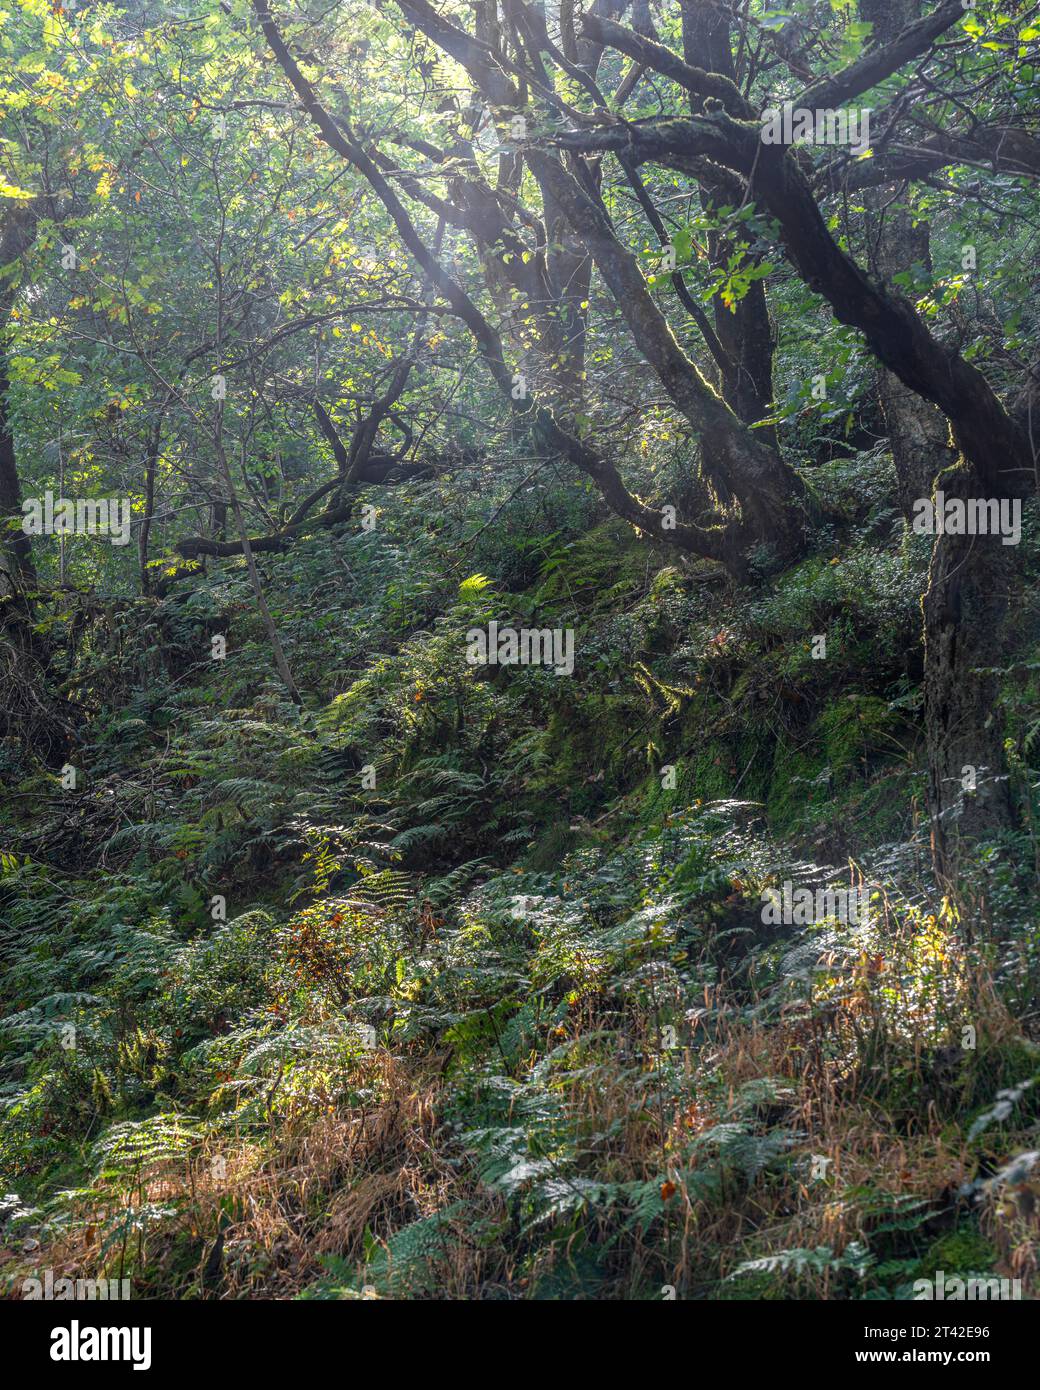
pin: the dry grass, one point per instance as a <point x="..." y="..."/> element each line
<point x="261" y="1218"/>
<point x="858" y="1083"/>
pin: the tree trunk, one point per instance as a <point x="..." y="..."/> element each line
<point x="964" y="607"/>
<point x="744" y="331"/>
<point x="17" y="571"/>
<point x="917" y="430"/>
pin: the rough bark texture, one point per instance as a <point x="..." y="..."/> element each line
<point x="733" y="458"/>
<point x="964" y="612"/>
<point x="918" y="432"/>
<point x="965" y="606"/>
<point x="17" y="572"/>
<point x="744" y="331"/>
<point x="983" y="429"/>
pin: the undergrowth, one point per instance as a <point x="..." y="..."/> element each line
<point x="456" y="984"/>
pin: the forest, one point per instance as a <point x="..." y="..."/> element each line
<point x="519" y="651"/>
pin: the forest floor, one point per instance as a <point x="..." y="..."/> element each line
<point x="462" y="981"/>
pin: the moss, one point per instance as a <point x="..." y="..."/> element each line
<point x="827" y="775"/>
<point x="587" y="738"/>
<point x="725" y="766"/>
<point x="852" y="728"/>
<point x="963" y="1251"/>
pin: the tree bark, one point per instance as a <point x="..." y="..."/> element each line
<point x="964" y="609"/>
<point x="17" y="570"/>
<point x="16" y="562"/>
<point x="744" y="331"/>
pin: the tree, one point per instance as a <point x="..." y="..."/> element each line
<point x="553" y="119"/>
